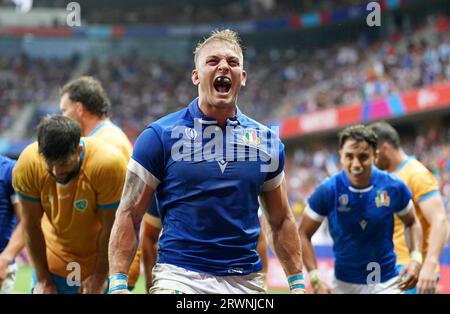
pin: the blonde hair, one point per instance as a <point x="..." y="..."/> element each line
<point x="226" y="35"/>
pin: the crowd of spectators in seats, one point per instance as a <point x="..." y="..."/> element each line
<point x="194" y="12"/>
<point x="284" y="83"/>
<point x="26" y="81"/>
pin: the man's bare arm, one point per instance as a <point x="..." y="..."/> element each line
<point x="284" y="232"/>
<point x="124" y="238"/>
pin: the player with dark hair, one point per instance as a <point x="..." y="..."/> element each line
<point x="69" y="188"/>
<point x="85" y="100"/>
<point x="360" y="203"/>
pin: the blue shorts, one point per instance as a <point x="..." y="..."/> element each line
<point x="60" y="283"/>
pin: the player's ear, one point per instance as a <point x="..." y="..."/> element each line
<point x="80" y="149"/>
<point x="79" y="108"/>
<point x="244" y="78"/>
<point x="195" y="79"/>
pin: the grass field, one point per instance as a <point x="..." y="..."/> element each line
<point x="23" y="281"/>
<point x="24" y="278"/>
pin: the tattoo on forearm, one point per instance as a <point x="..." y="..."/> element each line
<point x="132" y="195"/>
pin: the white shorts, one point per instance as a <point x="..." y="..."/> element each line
<point x="170" y="279"/>
<point x="387" y="287"/>
<point x="8" y="284"/>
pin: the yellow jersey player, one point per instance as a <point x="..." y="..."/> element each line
<point x="427" y="201"/>
<point x="69" y="188"/>
<point x="85" y="100"/>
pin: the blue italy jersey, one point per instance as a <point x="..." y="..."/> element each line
<point x="207" y="181"/>
<point x="361" y="223"/>
<point x="7" y="215"/>
<point x="153" y="209"/>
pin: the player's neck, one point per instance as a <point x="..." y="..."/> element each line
<point x="219" y="114"/>
<point x="398" y="157"/>
<point x="90" y="124"/>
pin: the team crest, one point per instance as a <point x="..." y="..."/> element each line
<point x="343" y="202"/>
<point x="250" y="138"/>
<point x="81" y="205"/>
<point x="382" y="199"/>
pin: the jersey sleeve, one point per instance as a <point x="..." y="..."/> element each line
<point x="405" y="204"/>
<point x="147" y="160"/>
<point x="320" y="203"/>
<point x="275" y="167"/>
<point x="109" y="178"/>
<point x="25" y="174"/>
<point x="423" y="185"/>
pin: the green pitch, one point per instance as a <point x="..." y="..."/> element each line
<point x="23" y="281"/>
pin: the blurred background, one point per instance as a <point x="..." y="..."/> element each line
<point x="313" y="67"/>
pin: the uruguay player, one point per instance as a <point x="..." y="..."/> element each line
<point x="85" y="100"/>
<point x="427" y="200"/>
<point x="360" y="203"/>
<point x="208" y="206"/>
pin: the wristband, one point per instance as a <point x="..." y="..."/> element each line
<point x="118" y="282"/>
<point x="296" y="282"/>
<point x="417" y="256"/>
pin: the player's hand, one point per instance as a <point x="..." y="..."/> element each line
<point x="4" y="263"/>
<point x="45" y="287"/>
<point x="427" y="279"/>
<point x="321" y="287"/>
<point x="94" y="284"/>
<point x="409" y="276"/>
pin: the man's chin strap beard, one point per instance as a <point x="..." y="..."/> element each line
<point x="70" y="176"/>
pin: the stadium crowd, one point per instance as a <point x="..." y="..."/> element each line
<point x="283" y="83"/>
<point x="193" y="12"/>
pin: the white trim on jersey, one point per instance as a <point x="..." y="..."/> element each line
<point x="355" y="190"/>
<point x="14" y="199"/>
<point x="153" y="221"/>
<point x="143" y="173"/>
<point x="406" y="210"/>
<point x="313" y="215"/>
<point x="273" y="183"/>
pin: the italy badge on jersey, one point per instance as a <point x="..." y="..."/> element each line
<point x="382" y="199"/>
<point x="250" y="138"/>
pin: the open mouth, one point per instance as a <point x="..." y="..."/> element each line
<point x="222" y="84"/>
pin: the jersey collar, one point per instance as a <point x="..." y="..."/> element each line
<point x="97" y="128"/>
<point x="196" y="113"/>
<point x="403" y="164"/>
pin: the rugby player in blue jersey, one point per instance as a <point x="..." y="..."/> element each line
<point x="207" y="192"/>
<point x="360" y="203"/>
<point x="11" y="240"/>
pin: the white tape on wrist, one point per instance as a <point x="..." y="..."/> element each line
<point x="417" y="256"/>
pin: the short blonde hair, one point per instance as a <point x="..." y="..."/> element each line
<point x="226" y="35"/>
